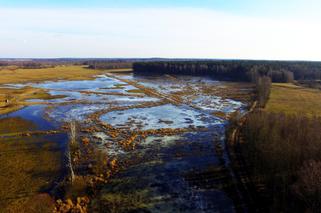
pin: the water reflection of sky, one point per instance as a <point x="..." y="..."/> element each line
<point x="165" y="116"/>
<point x="166" y="158"/>
<point x="35" y="114"/>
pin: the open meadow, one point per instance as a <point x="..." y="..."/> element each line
<point x="293" y="99"/>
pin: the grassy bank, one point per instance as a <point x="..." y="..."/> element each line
<point x="13" y="99"/>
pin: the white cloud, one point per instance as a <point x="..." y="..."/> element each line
<point x="192" y="33"/>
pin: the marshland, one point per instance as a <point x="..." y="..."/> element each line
<point x="118" y="139"/>
<point x="136" y="106"/>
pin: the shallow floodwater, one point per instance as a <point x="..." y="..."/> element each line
<point x="164" y="116"/>
<point x="32" y="163"/>
<point x="177" y="173"/>
<point x="170" y="177"/>
<point x="84" y="85"/>
<point x="79" y="99"/>
<point x="217" y="104"/>
<point x="35" y="114"/>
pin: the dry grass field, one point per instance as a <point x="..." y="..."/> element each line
<point x="56" y="73"/>
<point x="292" y="99"/>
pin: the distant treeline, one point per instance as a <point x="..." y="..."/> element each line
<point x="283" y="158"/>
<point x="244" y="70"/>
<point x="43" y="63"/>
<point x="108" y="64"/>
<point x="2" y="64"/>
<point x="36" y="63"/>
<point x="315" y="84"/>
<point x="236" y="70"/>
<point x="26" y="64"/>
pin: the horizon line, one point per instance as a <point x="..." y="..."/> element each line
<point x="152" y="58"/>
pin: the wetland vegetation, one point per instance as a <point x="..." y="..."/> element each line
<point x="90" y="135"/>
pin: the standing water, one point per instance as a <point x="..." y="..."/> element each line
<point x="185" y="171"/>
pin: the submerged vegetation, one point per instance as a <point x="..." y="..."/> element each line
<point x="29" y="166"/>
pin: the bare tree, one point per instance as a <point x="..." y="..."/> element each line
<point x="72" y="134"/>
<point x="72" y="143"/>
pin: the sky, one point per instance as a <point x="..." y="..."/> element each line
<point x="218" y="29"/>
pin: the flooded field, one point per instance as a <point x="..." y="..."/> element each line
<point x="166" y="134"/>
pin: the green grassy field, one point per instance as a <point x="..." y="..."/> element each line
<point x="292" y="99"/>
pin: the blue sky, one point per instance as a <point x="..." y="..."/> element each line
<point x="127" y="3"/>
<point x="251" y="29"/>
<point x="235" y="6"/>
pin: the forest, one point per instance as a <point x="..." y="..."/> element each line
<point x="100" y="64"/>
<point x="282" y="154"/>
<point x="235" y="70"/>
